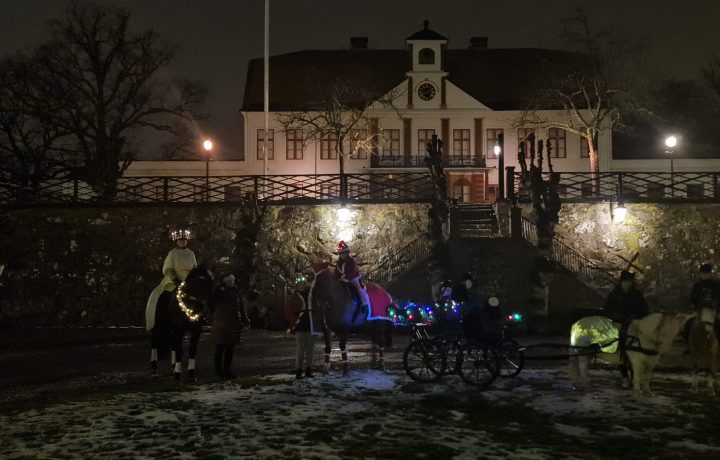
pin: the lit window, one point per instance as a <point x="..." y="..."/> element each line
<point x="295" y="144"/>
<point x="270" y="144"/>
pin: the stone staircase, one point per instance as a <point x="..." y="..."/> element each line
<point x="474" y="221"/>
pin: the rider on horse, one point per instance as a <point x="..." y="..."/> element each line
<point x="178" y="263"/>
<point x="347" y="271"/>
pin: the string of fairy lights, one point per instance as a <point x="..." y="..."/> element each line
<point x="408" y="313"/>
<point x="185" y="309"/>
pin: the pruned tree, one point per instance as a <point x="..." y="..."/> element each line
<point x="439" y="207"/>
<point x="590" y="90"/>
<point x="106" y="82"/>
<point x="544" y="193"/>
<point x="247" y="235"/>
<point x="341" y="118"/>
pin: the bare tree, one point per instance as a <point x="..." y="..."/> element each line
<point x="32" y="148"/>
<point x="341" y="118"/>
<point x="588" y="92"/>
<point x="106" y="81"/>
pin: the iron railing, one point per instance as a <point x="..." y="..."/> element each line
<point x="398" y="262"/>
<point x="631" y="186"/>
<point x="586" y="270"/>
<point x="417" y="161"/>
<point x="286" y="189"/>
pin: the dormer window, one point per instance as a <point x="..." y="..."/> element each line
<point x="426" y="56"/>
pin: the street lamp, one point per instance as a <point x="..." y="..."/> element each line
<point x="207" y="146"/>
<point x="498" y="149"/>
<point x="671" y="142"/>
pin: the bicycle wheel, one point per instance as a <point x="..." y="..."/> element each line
<point x="478" y="365"/>
<point x="510" y="359"/>
<point x="423" y="360"/>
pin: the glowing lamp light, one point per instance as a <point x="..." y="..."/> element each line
<point x="497" y="150"/>
<point x="344" y="215"/>
<point x="207" y="145"/>
<point x="619" y="213"/>
<point x="671" y="141"/>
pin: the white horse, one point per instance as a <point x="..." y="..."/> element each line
<point x="703" y="347"/>
<point x="647" y="339"/>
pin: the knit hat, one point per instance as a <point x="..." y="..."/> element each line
<point x="342" y="248"/>
<point x="705" y="268"/>
<point x="627" y="276"/>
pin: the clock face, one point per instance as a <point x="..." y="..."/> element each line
<point x="426" y="91"/>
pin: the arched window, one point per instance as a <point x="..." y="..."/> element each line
<point x="426" y="56"/>
<point x="461" y="190"/>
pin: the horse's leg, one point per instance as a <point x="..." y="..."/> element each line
<point x="583" y="364"/>
<point x="377" y="333"/>
<point x="195" y="331"/>
<point x="178" y="346"/>
<point x="573" y="369"/>
<point x="344" y="350"/>
<point x="328" y="349"/>
<point x="154" y="343"/>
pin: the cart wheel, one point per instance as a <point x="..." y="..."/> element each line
<point x="510" y="359"/>
<point x="423" y="360"/>
<point x="478" y="365"/>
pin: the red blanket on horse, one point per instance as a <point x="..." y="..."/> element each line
<point x="380" y="300"/>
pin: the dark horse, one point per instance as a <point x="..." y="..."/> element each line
<point x="182" y="311"/>
<point x="338" y="306"/>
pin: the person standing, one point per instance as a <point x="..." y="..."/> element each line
<point x="299" y="314"/>
<point x="706" y="290"/>
<point x="176" y="267"/>
<point x="228" y="319"/>
<point x="347" y="271"/>
<point x="625" y="302"/>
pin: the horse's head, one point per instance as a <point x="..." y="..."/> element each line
<point x="194" y="293"/>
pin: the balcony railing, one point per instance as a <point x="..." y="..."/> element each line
<point x="630" y="186"/>
<point x="309" y="189"/>
<point x="418" y="161"/>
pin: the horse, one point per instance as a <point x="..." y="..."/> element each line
<point x="703" y="346"/>
<point x="338" y="307"/>
<point x="183" y="312"/>
<point x="646" y="340"/>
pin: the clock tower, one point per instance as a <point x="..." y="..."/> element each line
<point x="426" y="78"/>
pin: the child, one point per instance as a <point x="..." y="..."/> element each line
<point x="228" y="319"/>
<point x="299" y="316"/>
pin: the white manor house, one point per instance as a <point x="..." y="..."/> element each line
<point x="468" y="97"/>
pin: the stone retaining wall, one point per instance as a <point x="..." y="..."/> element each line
<point x="93" y="266"/>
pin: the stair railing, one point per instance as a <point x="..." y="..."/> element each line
<point x="398" y="262"/>
<point x="587" y="271"/>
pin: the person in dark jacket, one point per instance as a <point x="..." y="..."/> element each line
<point x="299" y="315"/>
<point x="625" y="302"/>
<point x="706" y="289"/>
<point x="462" y="291"/>
<point x="228" y="319"/>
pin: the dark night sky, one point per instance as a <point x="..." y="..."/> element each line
<point x="219" y="37"/>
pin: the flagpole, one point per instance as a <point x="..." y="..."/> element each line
<point x="266" y="89"/>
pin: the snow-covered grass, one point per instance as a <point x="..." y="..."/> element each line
<point x="371" y="414"/>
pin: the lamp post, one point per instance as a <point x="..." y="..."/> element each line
<point x="671" y="142"/>
<point x="498" y="150"/>
<point x="207" y="146"/>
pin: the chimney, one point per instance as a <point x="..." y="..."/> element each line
<point x="358" y="43"/>
<point x="478" y="43"/>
